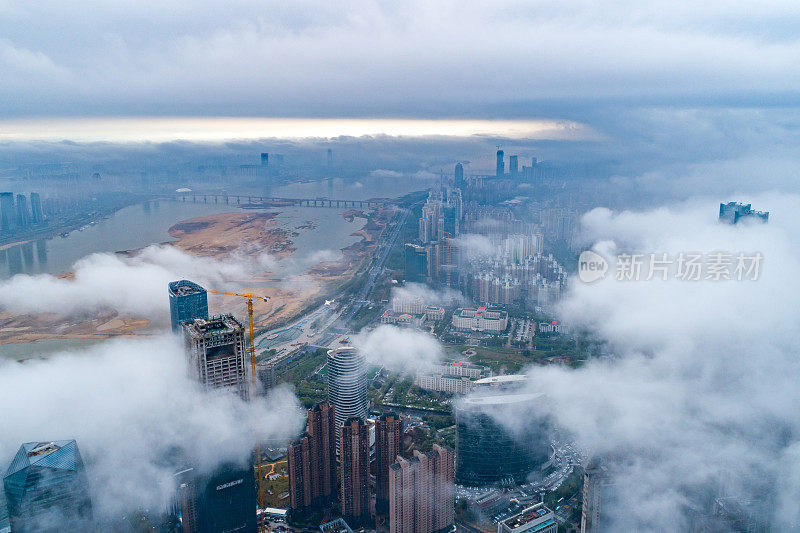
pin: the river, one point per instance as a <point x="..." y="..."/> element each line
<point x="321" y="231"/>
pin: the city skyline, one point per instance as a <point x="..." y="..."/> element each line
<point x="432" y="267"/>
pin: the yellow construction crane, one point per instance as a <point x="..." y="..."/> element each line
<point x="253" y="382"/>
<point x="250" y="298"/>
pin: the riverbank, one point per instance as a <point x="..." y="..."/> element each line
<point x="223" y="236"/>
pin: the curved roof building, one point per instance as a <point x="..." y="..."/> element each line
<point x="347" y="383"/>
<point x="499" y="439"/>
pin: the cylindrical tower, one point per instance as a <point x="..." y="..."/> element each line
<point x="347" y="383"/>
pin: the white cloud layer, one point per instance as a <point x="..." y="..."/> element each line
<point x="137" y="285"/>
<point x="133" y="410"/>
<point x="399" y="349"/>
<point x="703" y="395"/>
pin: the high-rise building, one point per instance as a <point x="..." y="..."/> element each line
<point x="264" y="159"/>
<point x="219" y="502"/>
<point x="535" y="519"/>
<point x="347" y="383"/>
<point x="36" y="208"/>
<point x="416" y="269"/>
<point x="187" y="301"/>
<point x="487" y="452"/>
<point x="322" y="431"/>
<point x="500" y="164"/>
<point x="388" y="445"/>
<point x="265" y="372"/>
<point x="354" y="483"/>
<point x="596" y="494"/>
<point x="216" y="351"/>
<point x="513" y="165"/>
<point x="7" y="212"/>
<point x="23" y="215"/>
<point x="443" y="494"/>
<point x="329" y="160"/>
<point x="458" y="182"/>
<point x="298" y="455"/>
<point x="421" y="497"/>
<point x="47" y="489"/>
<point x="733" y="212"/>
<point x="312" y="461"/>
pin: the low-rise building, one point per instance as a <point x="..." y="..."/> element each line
<point x="535" y="519"/>
<point x="432" y="312"/>
<point x="402" y="319"/>
<point x="481" y="318"/>
<point x="452" y="376"/>
<point x="552" y="327"/>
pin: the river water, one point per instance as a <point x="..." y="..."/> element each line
<point x="321" y="234"/>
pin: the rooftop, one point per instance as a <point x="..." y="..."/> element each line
<point x="527" y="516"/>
<point x="185" y="287"/>
<point x="60" y="454"/>
<point x="501" y="399"/>
<point x="215" y="325"/>
<point x="508" y="378"/>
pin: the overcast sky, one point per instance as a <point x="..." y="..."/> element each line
<point x="366" y="58"/>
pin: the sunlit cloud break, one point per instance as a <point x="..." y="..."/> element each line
<point x="161" y="129"/>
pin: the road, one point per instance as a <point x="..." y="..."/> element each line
<point x="376" y="266"/>
<point x="334" y="319"/>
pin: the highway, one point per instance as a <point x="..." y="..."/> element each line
<point x="376" y="266"/>
<point x="306" y="334"/>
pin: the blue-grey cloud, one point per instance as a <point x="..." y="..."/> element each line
<point x="445" y="57"/>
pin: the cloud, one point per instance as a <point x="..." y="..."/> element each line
<point x="420" y="59"/>
<point x="135" y="285"/>
<point x="399" y="349"/>
<point x="137" y="416"/>
<point x="413" y="291"/>
<point x="383" y="173"/>
<point x="475" y="246"/>
<point x="699" y="397"/>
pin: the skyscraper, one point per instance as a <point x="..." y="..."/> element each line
<point x="187" y="301"/>
<point x="264" y="159"/>
<point x="36" y="208"/>
<point x="500" y="164"/>
<point x="596" y="496"/>
<point x="298" y="455"/>
<point x="7" y="213"/>
<point x="421" y="497"/>
<point x="265" y="372"/>
<point x="388" y="445"/>
<point x="458" y="182"/>
<point x="23" y="215"/>
<point x="218" y="502"/>
<point x="487" y="452"/>
<point x="354" y="486"/>
<point x="347" y="383"/>
<point x="416" y="263"/>
<point x="47" y="489"/>
<point x="322" y="432"/>
<point x="312" y="461"/>
<point x="733" y="212"/>
<point x="513" y="166"/>
<point x="216" y="352"/>
<point x="443" y="494"/>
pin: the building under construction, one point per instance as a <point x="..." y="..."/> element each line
<point x="217" y="355"/>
